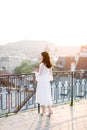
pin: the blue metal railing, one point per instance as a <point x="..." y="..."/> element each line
<point x="16" y="90"/>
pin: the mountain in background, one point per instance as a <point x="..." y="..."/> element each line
<point x="32" y="49"/>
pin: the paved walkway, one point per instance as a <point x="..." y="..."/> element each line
<point x="63" y="118"/>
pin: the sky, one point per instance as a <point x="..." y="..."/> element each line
<point x="62" y="22"/>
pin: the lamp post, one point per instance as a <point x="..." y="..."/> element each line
<point x="72" y="74"/>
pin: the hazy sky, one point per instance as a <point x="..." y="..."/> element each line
<point x="63" y="22"/>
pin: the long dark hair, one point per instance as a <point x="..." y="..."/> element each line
<point x="46" y="59"/>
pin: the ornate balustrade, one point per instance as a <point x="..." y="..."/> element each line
<point x="17" y="92"/>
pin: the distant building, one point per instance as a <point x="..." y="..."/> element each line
<point x="10" y="62"/>
<point x="74" y="62"/>
<point x="82" y="61"/>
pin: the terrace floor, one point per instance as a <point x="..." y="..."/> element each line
<point x="64" y="117"/>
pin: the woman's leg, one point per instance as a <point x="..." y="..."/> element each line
<point x="50" y="110"/>
<point x="43" y="110"/>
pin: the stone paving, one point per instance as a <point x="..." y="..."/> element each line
<point x="64" y="117"/>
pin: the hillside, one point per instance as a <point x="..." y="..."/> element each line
<point x="29" y="48"/>
<point x="32" y="49"/>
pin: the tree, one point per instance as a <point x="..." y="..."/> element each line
<point x="26" y="67"/>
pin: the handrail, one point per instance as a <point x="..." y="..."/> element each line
<point x="64" y="88"/>
<point x="31" y="93"/>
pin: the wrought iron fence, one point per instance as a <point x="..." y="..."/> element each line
<point x="17" y="92"/>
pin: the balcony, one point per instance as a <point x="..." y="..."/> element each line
<point x="64" y="117"/>
<point x="17" y="92"/>
<point x="69" y="94"/>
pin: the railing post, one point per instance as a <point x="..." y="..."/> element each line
<point x="18" y="97"/>
<point x="38" y="108"/>
<point x="8" y="101"/>
<point x="9" y="89"/>
<point x="71" y="103"/>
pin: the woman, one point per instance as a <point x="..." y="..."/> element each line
<point x="43" y="77"/>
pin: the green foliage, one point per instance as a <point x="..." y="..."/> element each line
<point x="26" y="67"/>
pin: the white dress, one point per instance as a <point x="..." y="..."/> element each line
<point x="43" y="90"/>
